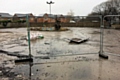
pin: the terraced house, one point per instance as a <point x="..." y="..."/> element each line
<point x="21" y="17"/>
<point x="5" y="16"/>
<point x="46" y="18"/>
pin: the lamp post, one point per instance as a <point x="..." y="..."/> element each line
<point x="50" y="8"/>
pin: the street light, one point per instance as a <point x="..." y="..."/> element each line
<point x="50" y="7"/>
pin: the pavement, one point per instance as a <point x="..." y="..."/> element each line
<point x="66" y="61"/>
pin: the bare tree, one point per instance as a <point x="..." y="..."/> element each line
<point x="110" y="7"/>
<point x="71" y="13"/>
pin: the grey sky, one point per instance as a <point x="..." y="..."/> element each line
<point x="79" y="7"/>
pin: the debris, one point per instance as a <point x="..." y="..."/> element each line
<point x="22" y="38"/>
<point x="47" y="74"/>
<point x="13" y="54"/>
<point x="48" y="66"/>
<point x="41" y="37"/>
<point x="103" y="56"/>
<point x="19" y="77"/>
<point x="24" y="60"/>
<point x="77" y="40"/>
<point x="24" y="44"/>
<point x="35" y="36"/>
<point x="37" y="70"/>
<point x="47" y="43"/>
<point x="47" y="53"/>
<point x="2" y="51"/>
<point x="45" y="57"/>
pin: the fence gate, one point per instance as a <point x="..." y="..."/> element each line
<point x="56" y="43"/>
<point x="56" y="47"/>
<point x="110" y="38"/>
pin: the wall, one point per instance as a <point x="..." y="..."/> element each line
<point x="81" y="24"/>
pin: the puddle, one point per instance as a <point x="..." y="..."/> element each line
<point x="61" y="60"/>
<point x="88" y="67"/>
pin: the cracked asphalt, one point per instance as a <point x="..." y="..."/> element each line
<point x="67" y="61"/>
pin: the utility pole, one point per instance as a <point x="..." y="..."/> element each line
<point x="50" y="9"/>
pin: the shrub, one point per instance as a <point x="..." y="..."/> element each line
<point x="20" y="21"/>
<point x="5" y="21"/>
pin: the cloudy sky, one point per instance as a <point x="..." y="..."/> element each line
<point x="79" y="7"/>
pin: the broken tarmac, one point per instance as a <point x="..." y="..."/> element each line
<point x="85" y="66"/>
<point x="80" y="67"/>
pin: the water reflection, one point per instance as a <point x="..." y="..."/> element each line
<point x="30" y="72"/>
<point x="100" y="70"/>
<point x="67" y="68"/>
<point x="89" y="67"/>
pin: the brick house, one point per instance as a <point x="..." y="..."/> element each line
<point x="49" y="18"/>
<point x="5" y="16"/>
<point x="18" y="17"/>
<point x="67" y="18"/>
<point x="39" y="19"/>
<point x="61" y="18"/>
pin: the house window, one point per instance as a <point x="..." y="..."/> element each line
<point x="31" y="19"/>
<point x="45" y="18"/>
<point x="21" y="19"/>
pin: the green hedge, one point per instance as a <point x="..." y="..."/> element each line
<point x="5" y="21"/>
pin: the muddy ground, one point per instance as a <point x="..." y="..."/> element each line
<point x="66" y="61"/>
